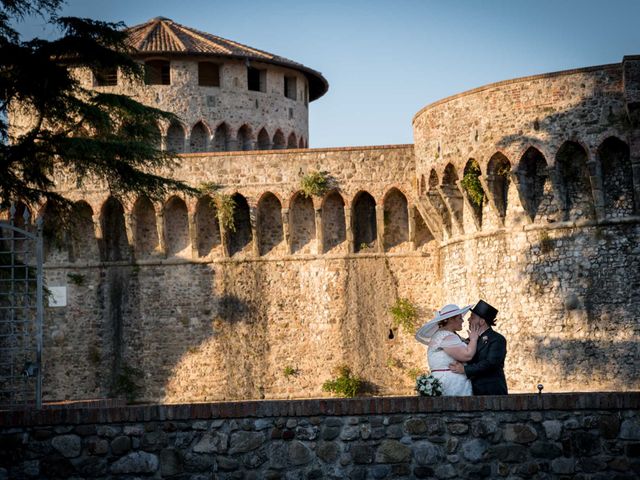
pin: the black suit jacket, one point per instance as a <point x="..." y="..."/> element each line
<point x="486" y="368"/>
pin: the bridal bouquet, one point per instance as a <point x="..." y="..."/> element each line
<point x="428" y="386"/>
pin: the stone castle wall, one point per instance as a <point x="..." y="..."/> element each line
<point x="206" y="313"/>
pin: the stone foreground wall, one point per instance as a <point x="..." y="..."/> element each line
<point x="551" y="436"/>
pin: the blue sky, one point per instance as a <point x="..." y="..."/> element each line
<point x="385" y="60"/>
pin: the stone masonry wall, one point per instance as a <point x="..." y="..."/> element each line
<point x="584" y="436"/>
<point x="199" y="324"/>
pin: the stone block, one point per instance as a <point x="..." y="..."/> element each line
<point x="299" y="453"/>
<point x="630" y="429"/>
<point x="67" y="445"/>
<point x="242" y="441"/>
<point x="328" y="452"/>
<point x="563" y="465"/>
<point x="212" y="443"/>
<point x="520" y="433"/>
<point x="474" y="450"/>
<point x="170" y="462"/>
<point x="120" y="445"/>
<point x="553" y="429"/>
<point x="362" y="453"/>
<point x="392" y="451"/>
<point x="136" y="462"/>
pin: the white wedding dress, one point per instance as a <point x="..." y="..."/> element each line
<point x="454" y="384"/>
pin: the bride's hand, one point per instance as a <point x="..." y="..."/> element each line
<point x="473" y="332"/>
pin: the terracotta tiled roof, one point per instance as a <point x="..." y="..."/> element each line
<point x="162" y="35"/>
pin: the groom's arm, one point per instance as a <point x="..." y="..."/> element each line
<point x="493" y="362"/>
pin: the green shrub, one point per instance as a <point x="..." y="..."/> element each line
<point x="290" y="371"/>
<point x="345" y="385"/>
<point x="471" y="184"/>
<point x="404" y="314"/>
<point x="225" y="208"/>
<point x="314" y="183"/>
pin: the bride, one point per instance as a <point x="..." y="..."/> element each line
<point x="445" y="347"/>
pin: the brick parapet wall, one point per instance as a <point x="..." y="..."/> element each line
<point x="320" y="407"/>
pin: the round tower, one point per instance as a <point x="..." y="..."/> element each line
<point x="227" y="96"/>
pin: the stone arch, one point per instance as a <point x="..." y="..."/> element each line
<point x="115" y="243"/>
<point x="55" y="237"/>
<point x="83" y="236"/>
<point x="207" y="226"/>
<point x="199" y="139"/>
<point x="473" y="188"/>
<point x="244" y="139"/>
<point x="221" y="138"/>
<point x="264" y="142"/>
<point x="240" y="237"/>
<point x="451" y="192"/>
<point x="270" y="229"/>
<point x="365" y="229"/>
<point x="574" y="186"/>
<point x="302" y="222"/>
<point x="175" y="138"/>
<point x="499" y="181"/>
<point x="145" y="228"/>
<point x="617" y="177"/>
<point x="396" y="221"/>
<point x="278" y="140"/>
<point x="536" y="192"/>
<point x="301" y="143"/>
<point x="422" y="234"/>
<point x="436" y="201"/>
<point x="176" y="228"/>
<point x="291" y="141"/>
<point x="334" y="227"/>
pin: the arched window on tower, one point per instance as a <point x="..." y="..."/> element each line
<point x="199" y="138"/>
<point x="264" y="142"/>
<point x="396" y="221"/>
<point x="176" y="228"/>
<point x="241" y="237"/>
<point x="291" y="142"/>
<point x="617" y="177"/>
<point x="302" y="223"/>
<point x="536" y="191"/>
<point x="365" y="229"/>
<point x="221" y="138"/>
<point x="270" y="229"/>
<point x="115" y="242"/>
<point x="334" y="227"/>
<point x="145" y="229"/>
<point x="573" y="182"/>
<point x="244" y="138"/>
<point x="278" y="140"/>
<point x="175" y="138"/>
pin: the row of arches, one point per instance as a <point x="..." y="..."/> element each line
<point x="571" y="188"/>
<point x="174" y="230"/>
<point x="224" y="139"/>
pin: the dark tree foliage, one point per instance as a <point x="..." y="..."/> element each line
<point x="93" y="135"/>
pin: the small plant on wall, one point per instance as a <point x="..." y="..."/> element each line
<point x="225" y="205"/>
<point x="404" y="314"/>
<point x="471" y="184"/>
<point x="314" y="183"/>
<point x="345" y="384"/>
<point x="290" y="371"/>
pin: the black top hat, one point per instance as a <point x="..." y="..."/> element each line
<point x="486" y="311"/>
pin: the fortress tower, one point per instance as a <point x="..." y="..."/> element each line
<point x="228" y="96"/>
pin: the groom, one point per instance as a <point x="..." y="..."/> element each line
<point x="486" y="368"/>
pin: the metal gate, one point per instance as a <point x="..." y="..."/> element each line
<point x="21" y="311"/>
